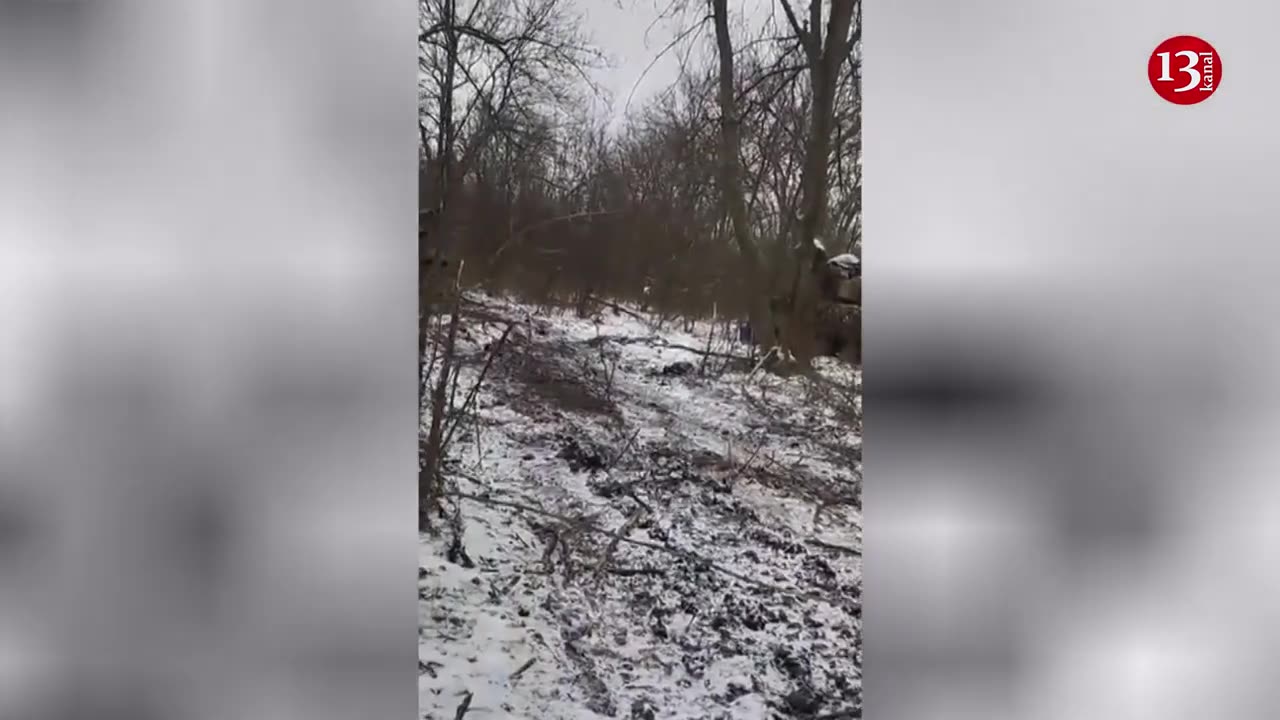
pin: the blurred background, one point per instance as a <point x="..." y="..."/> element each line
<point x="206" y="447"/>
<point x="1069" y="368"/>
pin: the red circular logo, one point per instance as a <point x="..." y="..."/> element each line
<point x="1185" y="70"/>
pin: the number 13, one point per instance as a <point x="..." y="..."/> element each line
<point x="1192" y="58"/>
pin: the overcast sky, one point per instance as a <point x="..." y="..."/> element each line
<point x="632" y="38"/>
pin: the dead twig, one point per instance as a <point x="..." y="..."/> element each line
<point x="832" y="546"/>
<point x="463" y="707"/>
<point x="493" y="352"/>
<point x="686" y="555"/>
<point x="521" y="670"/>
<point x="733" y="479"/>
<point x="703" y="353"/>
<point x="636" y="571"/>
<point x="830" y="502"/>
<point x="706" y="352"/>
<point x="621" y="453"/>
<point x="613" y="544"/>
<point x="618" y="308"/>
<point x="839" y="715"/>
<point x="430" y="485"/>
<point x="631" y="493"/>
<point x="772" y="353"/>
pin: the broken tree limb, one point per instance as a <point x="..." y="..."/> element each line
<point x="494" y="350"/>
<point x="521" y="670"/>
<point x="617" y="308"/>
<point x="463" y="707"/>
<point x="687" y="555"/>
<point x="832" y="546"/>
<point x="636" y="571"/>
<point x="622" y="532"/>
<point x="702" y="353"/>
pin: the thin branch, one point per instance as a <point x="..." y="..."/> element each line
<point x="688" y="31"/>
<point x="806" y="39"/>
<point x="687" y="555"/>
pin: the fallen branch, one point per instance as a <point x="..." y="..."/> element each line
<point x="631" y="493"/>
<point x="494" y="350"/>
<point x="613" y="544"/>
<point x="636" y="571"/>
<point x="733" y="479"/>
<point x="520" y="670"/>
<point x="687" y="555"/>
<point x="621" y="453"/>
<point x="463" y="707"/>
<point x="839" y="715"/>
<point x="829" y="502"/>
<point x="832" y="546"/>
<point x="697" y="351"/>
<point x="773" y="351"/>
<point x="615" y="306"/>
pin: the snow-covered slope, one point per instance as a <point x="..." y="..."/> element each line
<point x="647" y="534"/>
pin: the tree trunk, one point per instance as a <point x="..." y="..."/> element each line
<point x="762" y="320"/>
<point x="427" y="471"/>
<point x="823" y="76"/>
<point x="824" y="69"/>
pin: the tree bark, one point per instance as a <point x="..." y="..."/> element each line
<point x="823" y="76"/>
<point x="434" y="221"/>
<point x="762" y="320"/>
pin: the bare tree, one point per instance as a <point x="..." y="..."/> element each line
<point x="707" y="197"/>
<point x="824" y="53"/>
<point x="730" y="177"/>
<point x="488" y="69"/>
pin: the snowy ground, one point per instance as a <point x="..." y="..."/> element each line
<point x="642" y="544"/>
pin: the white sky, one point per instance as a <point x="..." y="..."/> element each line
<point x="626" y="31"/>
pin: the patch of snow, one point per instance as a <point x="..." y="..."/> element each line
<point x="736" y="589"/>
<point x="847" y="264"/>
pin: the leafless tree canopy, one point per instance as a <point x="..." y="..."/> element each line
<point x="732" y="194"/>
<point x="708" y="195"/>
